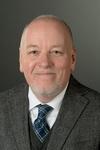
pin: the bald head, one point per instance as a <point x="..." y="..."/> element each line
<point x="47" y="19"/>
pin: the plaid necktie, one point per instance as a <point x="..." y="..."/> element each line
<point x="40" y="125"/>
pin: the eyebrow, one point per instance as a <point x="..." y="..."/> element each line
<point x="57" y="46"/>
<point x="28" y="46"/>
<point x="36" y="46"/>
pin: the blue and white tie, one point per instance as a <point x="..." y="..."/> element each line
<point x="40" y="126"/>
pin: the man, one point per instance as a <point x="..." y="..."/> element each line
<point x="47" y="60"/>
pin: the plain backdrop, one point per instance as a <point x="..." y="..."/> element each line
<point x="82" y="15"/>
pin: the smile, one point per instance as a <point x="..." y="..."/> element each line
<point x="42" y="74"/>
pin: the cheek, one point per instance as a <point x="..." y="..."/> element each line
<point x="63" y="69"/>
<point x="27" y="66"/>
<point x="27" y="71"/>
<point x="63" y="64"/>
<point x="31" y="66"/>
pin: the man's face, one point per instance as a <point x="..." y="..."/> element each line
<point x="47" y="58"/>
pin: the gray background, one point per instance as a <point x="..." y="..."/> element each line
<point x="84" y="19"/>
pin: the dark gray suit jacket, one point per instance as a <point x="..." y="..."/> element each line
<point x="77" y="126"/>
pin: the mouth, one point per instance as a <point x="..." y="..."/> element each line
<point x="45" y="74"/>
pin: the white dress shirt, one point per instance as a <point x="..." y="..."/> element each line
<point x="55" y="104"/>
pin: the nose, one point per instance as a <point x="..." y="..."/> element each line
<point x="45" y="61"/>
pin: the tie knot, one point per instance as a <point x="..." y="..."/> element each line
<point x="43" y="110"/>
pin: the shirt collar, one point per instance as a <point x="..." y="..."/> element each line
<point x="55" y="103"/>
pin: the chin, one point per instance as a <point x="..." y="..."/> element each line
<point x="48" y="92"/>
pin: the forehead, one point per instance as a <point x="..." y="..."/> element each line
<point x="47" y="25"/>
<point x="48" y="30"/>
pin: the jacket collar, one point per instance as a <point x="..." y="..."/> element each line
<point x="74" y="104"/>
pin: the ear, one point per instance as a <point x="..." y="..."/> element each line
<point x="20" y="61"/>
<point x="73" y="59"/>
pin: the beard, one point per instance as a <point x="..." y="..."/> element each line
<point x="45" y="94"/>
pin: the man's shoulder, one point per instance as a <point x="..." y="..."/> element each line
<point x="14" y="89"/>
<point x="12" y="92"/>
<point x="84" y="90"/>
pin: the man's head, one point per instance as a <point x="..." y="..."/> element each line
<point x="47" y="56"/>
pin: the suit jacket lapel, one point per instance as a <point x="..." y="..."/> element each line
<point x="18" y="112"/>
<point x="72" y="107"/>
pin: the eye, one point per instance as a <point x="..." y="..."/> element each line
<point x="33" y="52"/>
<point x="57" y="52"/>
